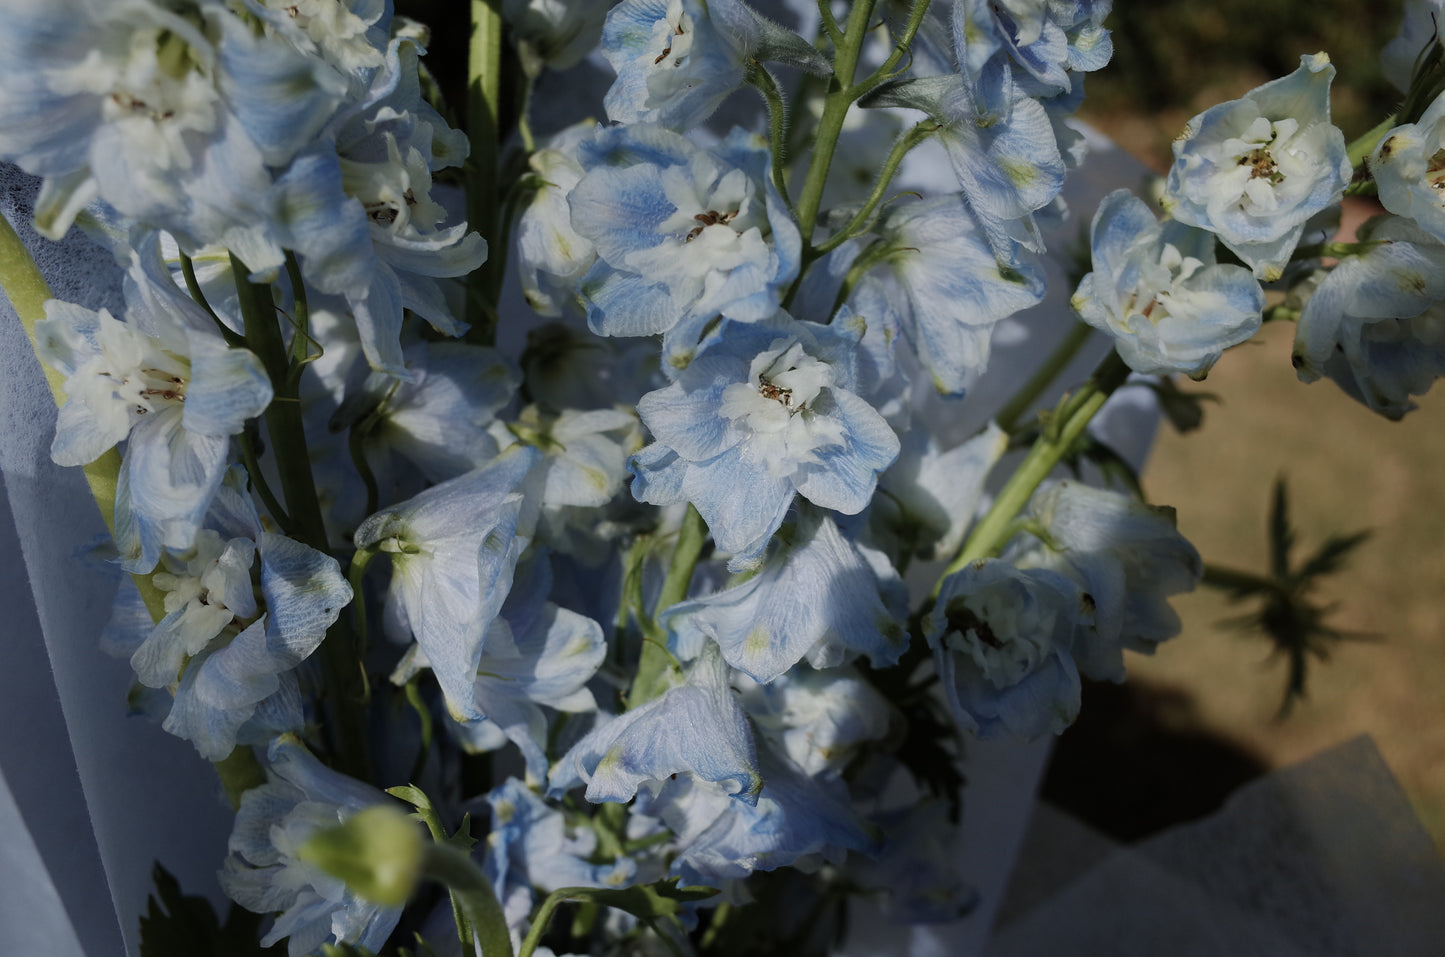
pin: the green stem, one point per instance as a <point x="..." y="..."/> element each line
<point x="1361" y="148"/>
<point x="655" y="659"/>
<point x="473" y="893"/>
<point x="193" y="286"/>
<point x="259" y="483"/>
<point x="345" y="680"/>
<point x="1063" y="353"/>
<point x="484" y="96"/>
<point x="830" y="23"/>
<point x="763" y="82"/>
<point x="901" y="148"/>
<point x="28" y="292"/>
<point x="1074" y="415"/>
<point x="841" y="94"/>
<point x="876" y="253"/>
<point x="900" y="48"/>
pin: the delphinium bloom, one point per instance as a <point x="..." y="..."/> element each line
<point x="677" y="60"/>
<point x="683" y="234"/>
<point x="816" y="597"/>
<point x="221" y="652"/>
<point x="765" y="412"/>
<point x="1158" y="292"/>
<point x="1253" y="170"/>
<point x="135" y="104"/>
<point x="265" y="873"/>
<point x="674" y="64"/>
<point x="453" y="551"/>
<point x="1375" y="324"/>
<point x="1002" y="641"/>
<point x="357" y="207"/>
<point x="535" y="655"/>
<point x="173" y="391"/>
<point x="1409" y="168"/>
<point x="1126" y="556"/>
<point x="695" y="728"/>
<point x="945" y="287"/>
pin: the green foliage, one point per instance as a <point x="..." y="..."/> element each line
<point x="181" y="925"/>
<point x="1287" y="614"/>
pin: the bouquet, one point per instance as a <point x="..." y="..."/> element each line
<point x="606" y="536"/>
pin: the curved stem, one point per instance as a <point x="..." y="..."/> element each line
<point x="473" y="894"/>
<point x="1024" y="399"/>
<point x="900" y="47"/>
<point x="763" y="81"/>
<point x="860" y="220"/>
<point x="655" y="659"/>
<point x="1075" y="413"/>
<point x="193" y="286"/>
<point x="841" y="95"/>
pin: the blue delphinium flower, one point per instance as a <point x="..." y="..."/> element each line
<point x="357" y="207"/>
<point x="817" y="597"/>
<point x="453" y="551"/>
<point x="1376" y="324"/>
<point x="1409" y="167"/>
<point x="674" y="64"/>
<point x="682" y="234"/>
<point x="1126" y="556"/>
<point x="531" y="845"/>
<point x="535" y="654"/>
<point x="765" y="412"/>
<point x="264" y="872"/>
<point x="1252" y="170"/>
<point x="220" y="651"/>
<point x="796" y="821"/>
<point x="819" y="719"/>
<point x="1158" y="292"/>
<point x="946" y="287"/>
<point x="695" y="728"/>
<point x="167" y="384"/>
<point x="1002" y="642"/>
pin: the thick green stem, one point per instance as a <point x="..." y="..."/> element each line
<point x="345" y="680"/>
<point x="28" y="292"/>
<point x="1073" y="416"/>
<point x="484" y="96"/>
<point x="472" y="891"/>
<point x="655" y="659"/>
<point x="861" y="219"/>
<point x="900" y="47"/>
<point x="841" y="94"/>
<point x="1024" y="399"/>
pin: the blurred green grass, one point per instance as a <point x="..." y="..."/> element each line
<point x="1347" y="467"/>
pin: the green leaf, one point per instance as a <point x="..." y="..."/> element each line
<point x="180" y="925"/>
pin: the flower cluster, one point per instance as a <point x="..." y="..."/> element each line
<point x="686" y="529"/>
